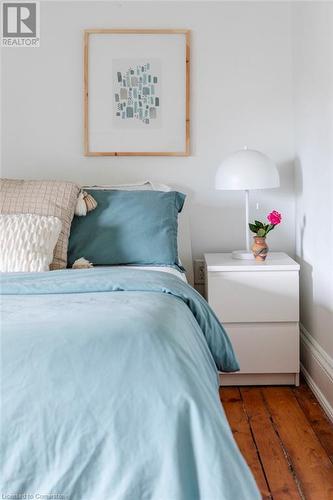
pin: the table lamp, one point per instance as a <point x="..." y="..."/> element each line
<point x="245" y="170"/>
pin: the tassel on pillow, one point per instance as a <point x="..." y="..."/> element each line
<point x="82" y="263"/>
<point x="81" y="207"/>
<point x="85" y="203"/>
<point x="90" y="202"/>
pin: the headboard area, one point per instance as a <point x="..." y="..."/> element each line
<point x="184" y="244"/>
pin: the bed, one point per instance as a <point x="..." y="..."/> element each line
<point x="110" y="388"/>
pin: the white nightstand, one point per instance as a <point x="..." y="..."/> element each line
<point x="258" y="304"/>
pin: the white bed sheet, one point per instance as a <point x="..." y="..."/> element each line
<point x="164" y="269"/>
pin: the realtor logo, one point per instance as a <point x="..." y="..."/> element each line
<point x="20" y="24"/>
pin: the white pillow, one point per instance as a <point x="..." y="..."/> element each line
<point x="27" y="242"/>
<point x="139" y="186"/>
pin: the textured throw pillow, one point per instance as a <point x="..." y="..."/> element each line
<point x="54" y="198"/>
<point x="128" y="227"/>
<point x="27" y="242"/>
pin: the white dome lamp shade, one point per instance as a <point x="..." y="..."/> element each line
<point x="245" y="170"/>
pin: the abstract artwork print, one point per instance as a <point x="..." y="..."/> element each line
<point x="137" y="100"/>
<point x="136" y="92"/>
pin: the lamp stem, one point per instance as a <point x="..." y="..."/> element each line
<point x="247" y="220"/>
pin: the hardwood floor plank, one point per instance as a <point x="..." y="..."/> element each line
<point x="316" y="416"/>
<point x="309" y="459"/>
<point x="278" y="473"/>
<point x="233" y="407"/>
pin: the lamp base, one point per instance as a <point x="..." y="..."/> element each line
<point x="242" y="254"/>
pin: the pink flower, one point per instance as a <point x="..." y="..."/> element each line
<point x="274" y="218"/>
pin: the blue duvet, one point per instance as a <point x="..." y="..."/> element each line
<point x="109" y="390"/>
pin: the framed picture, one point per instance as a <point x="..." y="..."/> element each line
<point x="136" y="92"/>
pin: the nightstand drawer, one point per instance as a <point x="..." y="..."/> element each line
<point x="255" y="296"/>
<point x="266" y="348"/>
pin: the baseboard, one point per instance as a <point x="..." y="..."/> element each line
<point x="318" y="371"/>
<point x="231" y="379"/>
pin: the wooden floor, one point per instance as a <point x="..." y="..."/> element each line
<point x="286" y="439"/>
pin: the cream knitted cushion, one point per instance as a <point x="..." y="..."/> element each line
<point x="27" y="242"/>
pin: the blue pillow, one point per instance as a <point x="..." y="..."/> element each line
<point x="128" y="227"/>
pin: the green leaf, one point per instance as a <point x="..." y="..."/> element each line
<point x="261" y="232"/>
<point x="253" y="228"/>
<point x="270" y="227"/>
<point x="258" y="223"/>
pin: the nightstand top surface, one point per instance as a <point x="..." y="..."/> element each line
<point x="275" y="261"/>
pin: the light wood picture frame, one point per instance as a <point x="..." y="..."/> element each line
<point x="136" y="85"/>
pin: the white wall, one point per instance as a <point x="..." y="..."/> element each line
<point x="246" y="84"/>
<point x="241" y="95"/>
<point x="313" y="94"/>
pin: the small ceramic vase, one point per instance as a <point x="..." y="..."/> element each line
<point x="259" y="248"/>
